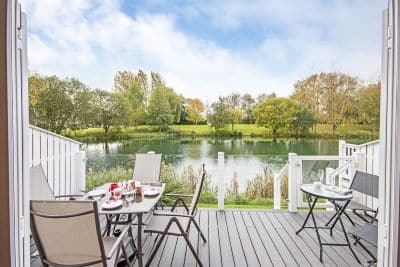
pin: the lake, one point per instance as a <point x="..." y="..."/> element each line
<point x="244" y="158"/>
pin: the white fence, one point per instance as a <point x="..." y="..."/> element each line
<point x="364" y="157"/>
<point x="61" y="158"/>
<point x="368" y="163"/>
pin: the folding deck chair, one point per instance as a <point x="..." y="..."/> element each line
<point x="178" y="224"/>
<point x="67" y="233"/>
<point x="367" y="184"/>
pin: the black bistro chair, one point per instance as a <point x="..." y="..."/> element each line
<point x="367" y="184"/>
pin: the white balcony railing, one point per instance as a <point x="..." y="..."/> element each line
<point x="61" y="158"/>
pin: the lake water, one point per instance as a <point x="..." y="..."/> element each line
<point x="244" y="158"/>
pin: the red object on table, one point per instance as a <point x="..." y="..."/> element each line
<point x="112" y="187"/>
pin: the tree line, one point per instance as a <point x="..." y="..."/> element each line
<point x="137" y="98"/>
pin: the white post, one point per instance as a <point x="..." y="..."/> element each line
<point x="221" y="184"/>
<point x="80" y="172"/>
<point x="342" y="153"/>
<point x="292" y="182"/>
<point x="277" y="191"/>
<point x="358" y="162"/>
<point x="329" y="180"/>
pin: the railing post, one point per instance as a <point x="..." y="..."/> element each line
<point x="342" y="153"/>
<point x="293" y="182"/>
<point x="80" y="176"/>
<point x="329" y="180"/>
<point x="277" y="191"/>
<point x="221" y="182"/>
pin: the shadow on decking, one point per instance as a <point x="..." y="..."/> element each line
<point x="253" y="238"/>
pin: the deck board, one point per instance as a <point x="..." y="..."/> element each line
<point x="252" y="238"/>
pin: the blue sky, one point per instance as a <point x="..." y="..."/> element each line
<point x="205" y="48"/>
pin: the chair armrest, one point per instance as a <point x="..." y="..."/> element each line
<point x="173" y="214"/>
<point x="178" y="195"/>
<point x="117" y="242"/>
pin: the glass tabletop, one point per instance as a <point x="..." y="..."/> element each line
<point x="323" y="192"/>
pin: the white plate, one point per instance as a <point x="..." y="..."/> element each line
<point x="97" y="193"/>
<point x="151" y="192"/>
<point x="112" y="204"/>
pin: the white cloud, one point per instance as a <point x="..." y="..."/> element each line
<point x="91" y="40"/>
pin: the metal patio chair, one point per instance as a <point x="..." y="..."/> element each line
<point x="177" y="224"/>
<point x="367" y="184"/>
<point x="367" y="233"/>
<point x="147" y="168"/>
<point x="67" y="233"/>
<point x="40" y="188"/>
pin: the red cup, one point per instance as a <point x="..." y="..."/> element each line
<point x="112" y="187"/>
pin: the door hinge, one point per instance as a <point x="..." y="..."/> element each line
<point x="22" y="227"/>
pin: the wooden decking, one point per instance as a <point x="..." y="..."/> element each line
<point x="254" y="238"/>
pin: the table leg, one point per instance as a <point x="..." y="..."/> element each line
<point x="309" y="212"/>
<point x="347" y="239"/>
<point x="339" y="212"/>
<point x="139" y="239"/>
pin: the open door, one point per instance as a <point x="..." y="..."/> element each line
<point x="18" y="139"/>
<point x="389" y="187"/>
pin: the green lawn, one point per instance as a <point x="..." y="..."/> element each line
<point x="346" y="131"/>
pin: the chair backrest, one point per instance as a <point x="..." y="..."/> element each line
<point x="365" y="183"/>
<point x="197" y="192"/>
<point x="39" y="187"/>
<point x="147" y="168"/>
<point x="67" y="233"/>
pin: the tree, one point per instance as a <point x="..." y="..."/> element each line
<point x="247" y="105"/>
<point x="123" y="80"/>
<point x="302" y="121"/>
<point x="110" y="109"/>
<point x="276" y="114"/>
<point x="262" y="97"/>
<point x="235" y="115"/>
<point x="329" y="96"/>
<point x="233" y="102"/>
<point x="159" y="110"/>
<point x="195" y="109"/>
<point x="219" y="115"/>
<point x="49" y="103"/>
<point x="369" y="103"/>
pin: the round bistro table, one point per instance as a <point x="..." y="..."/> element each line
<point x="322" y="193"/>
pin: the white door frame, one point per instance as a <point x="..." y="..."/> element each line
<point x="389" y="187"/>
<point x="18" y="138"/>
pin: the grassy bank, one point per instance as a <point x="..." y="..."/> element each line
<point x="92" y="135"/>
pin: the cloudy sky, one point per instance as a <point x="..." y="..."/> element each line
<point x="205" y="48"/>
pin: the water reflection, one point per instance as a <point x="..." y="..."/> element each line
<point x="245" y="158"/>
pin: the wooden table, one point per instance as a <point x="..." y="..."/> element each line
<point x="132" y="209"/>
<point x="322" y="193"/>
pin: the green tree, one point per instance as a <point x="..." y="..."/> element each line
<point x="302" y="121"/>
<point x="50" y="105"/>
<point x="219" y="115"/>
<point x="195" y="109"/>
<point x="159" y="111"/>
<point x="276" y="114"/>
<point x="110" y="109"/>
<point x="369" y="103"/>
<point x="247" y="105"/>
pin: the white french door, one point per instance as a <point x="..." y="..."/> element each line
<point x="18" y="122"/>
<point x="389" y="187"/>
